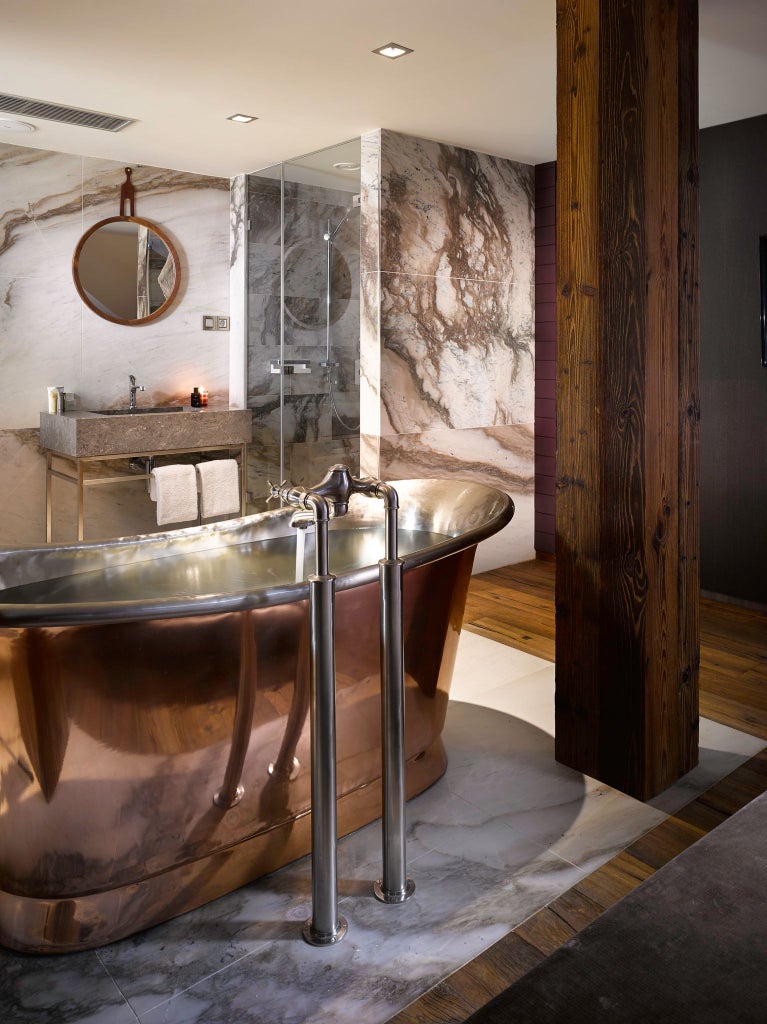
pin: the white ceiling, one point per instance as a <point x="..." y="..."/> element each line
<point x="482" y="74"/>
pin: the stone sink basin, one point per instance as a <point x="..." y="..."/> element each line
<point x="82" y="435"/>
<point x="139" y="411"/>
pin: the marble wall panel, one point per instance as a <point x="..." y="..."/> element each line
<point x="48" y="199"/>
<point x="447" y="360"/>
<point x="49" y="337"/>
<point x="22" y="512"/>
<point x="453" y="354"/>
<point x="502" y="457"/>
<point x="451" y="211"/>
<point x="40" y="312"/>
<point x="457" y="263"/>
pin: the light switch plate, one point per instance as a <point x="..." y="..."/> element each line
<point x="209" y="323"/>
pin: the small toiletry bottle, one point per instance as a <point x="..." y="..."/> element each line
<point x="204" y="397"/>
<point x="53" y="400"/>
<point x="196" y="399"/>
<point x="60" y="404"/>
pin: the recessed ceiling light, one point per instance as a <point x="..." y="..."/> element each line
<point x="345" y="165"/>
<point x="9" y="125"/>
<point x="242" y="118"/>
<point x="393" y="50"/>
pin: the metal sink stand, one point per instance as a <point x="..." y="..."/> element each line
<point x="330" y="499"/>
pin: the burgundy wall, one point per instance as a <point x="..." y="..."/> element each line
<point x="545" y="355"/>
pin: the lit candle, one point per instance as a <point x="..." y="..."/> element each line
<point x="204" y="396"/>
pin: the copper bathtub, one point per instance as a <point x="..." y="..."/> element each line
<point x="140" y="677"/>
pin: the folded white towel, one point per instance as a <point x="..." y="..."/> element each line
<point x="174" y="488"/>
<point x="219" y="486"/>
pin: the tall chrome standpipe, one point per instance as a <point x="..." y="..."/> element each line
<point x="325" y="927"/>
<point x="394" y="886"/>
<point x="331" y="495"/>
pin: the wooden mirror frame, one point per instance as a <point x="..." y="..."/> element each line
<point x="120" y="320"/>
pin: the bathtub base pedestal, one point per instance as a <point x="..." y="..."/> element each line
<point x="65" y="925"/>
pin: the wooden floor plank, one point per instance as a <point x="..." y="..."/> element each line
<point x="512" y="956"/>
<point x="664" y="842"/>
<point x="546" y="931"/>
<point x="702" y="815"/>
<point x="614" y="880"/>
<point x="440" y="1005"/>
<point x="576" y="909"/>
<point x="509" y="958"/>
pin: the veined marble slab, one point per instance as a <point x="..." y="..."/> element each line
<point x="453" y="255"/>
<point x="447" y="340"/>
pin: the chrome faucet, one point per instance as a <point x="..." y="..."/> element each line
<point x="134" y="387"/>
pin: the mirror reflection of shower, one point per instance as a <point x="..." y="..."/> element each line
<point x="330" y="362"/>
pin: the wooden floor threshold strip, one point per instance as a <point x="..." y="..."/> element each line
<point x="453" y="1000"/>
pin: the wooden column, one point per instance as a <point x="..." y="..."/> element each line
<point x="627" y="391"/>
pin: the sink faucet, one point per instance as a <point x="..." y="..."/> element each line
<point x="134" y="387"/>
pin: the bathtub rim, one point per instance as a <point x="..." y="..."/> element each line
<point x="23" y="615"/>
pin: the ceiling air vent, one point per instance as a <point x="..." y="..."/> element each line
<point x="66" y="115"/>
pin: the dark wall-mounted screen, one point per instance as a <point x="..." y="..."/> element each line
<point x="763" y="274"/>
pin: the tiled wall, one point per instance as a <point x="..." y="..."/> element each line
<point x="315" y="438"/>
<point x="49" y="337"/>
<point x="545" y="355"/>
<point x="447" y="321"/>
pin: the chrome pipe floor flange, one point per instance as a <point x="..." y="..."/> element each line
<point x="322" y="939"/>
<point x="393" y="897"/>
<point x="220" y="801"/>
<point x="291" y="775"/>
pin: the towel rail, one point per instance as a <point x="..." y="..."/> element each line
<point x="81" y="481"/>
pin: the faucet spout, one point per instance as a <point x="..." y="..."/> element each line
<point x="134" y="387"/>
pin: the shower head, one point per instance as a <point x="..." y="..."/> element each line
<point x="330" y="235"/>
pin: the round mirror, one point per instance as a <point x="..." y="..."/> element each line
<point x="126" y="270"/>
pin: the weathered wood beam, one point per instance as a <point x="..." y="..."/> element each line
<point x="627" y="466"/>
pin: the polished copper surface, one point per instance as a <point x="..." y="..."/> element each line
<point x="116" y="736"/>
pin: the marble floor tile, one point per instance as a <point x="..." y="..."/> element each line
<point x="522" y="685"/>
<point x="464" y="901"/>
<point x="70" y="989"/>
<point x="483" y="667"/>
<point x="505" y="831"/>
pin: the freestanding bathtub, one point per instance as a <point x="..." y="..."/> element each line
<point x="144" y="677"/>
